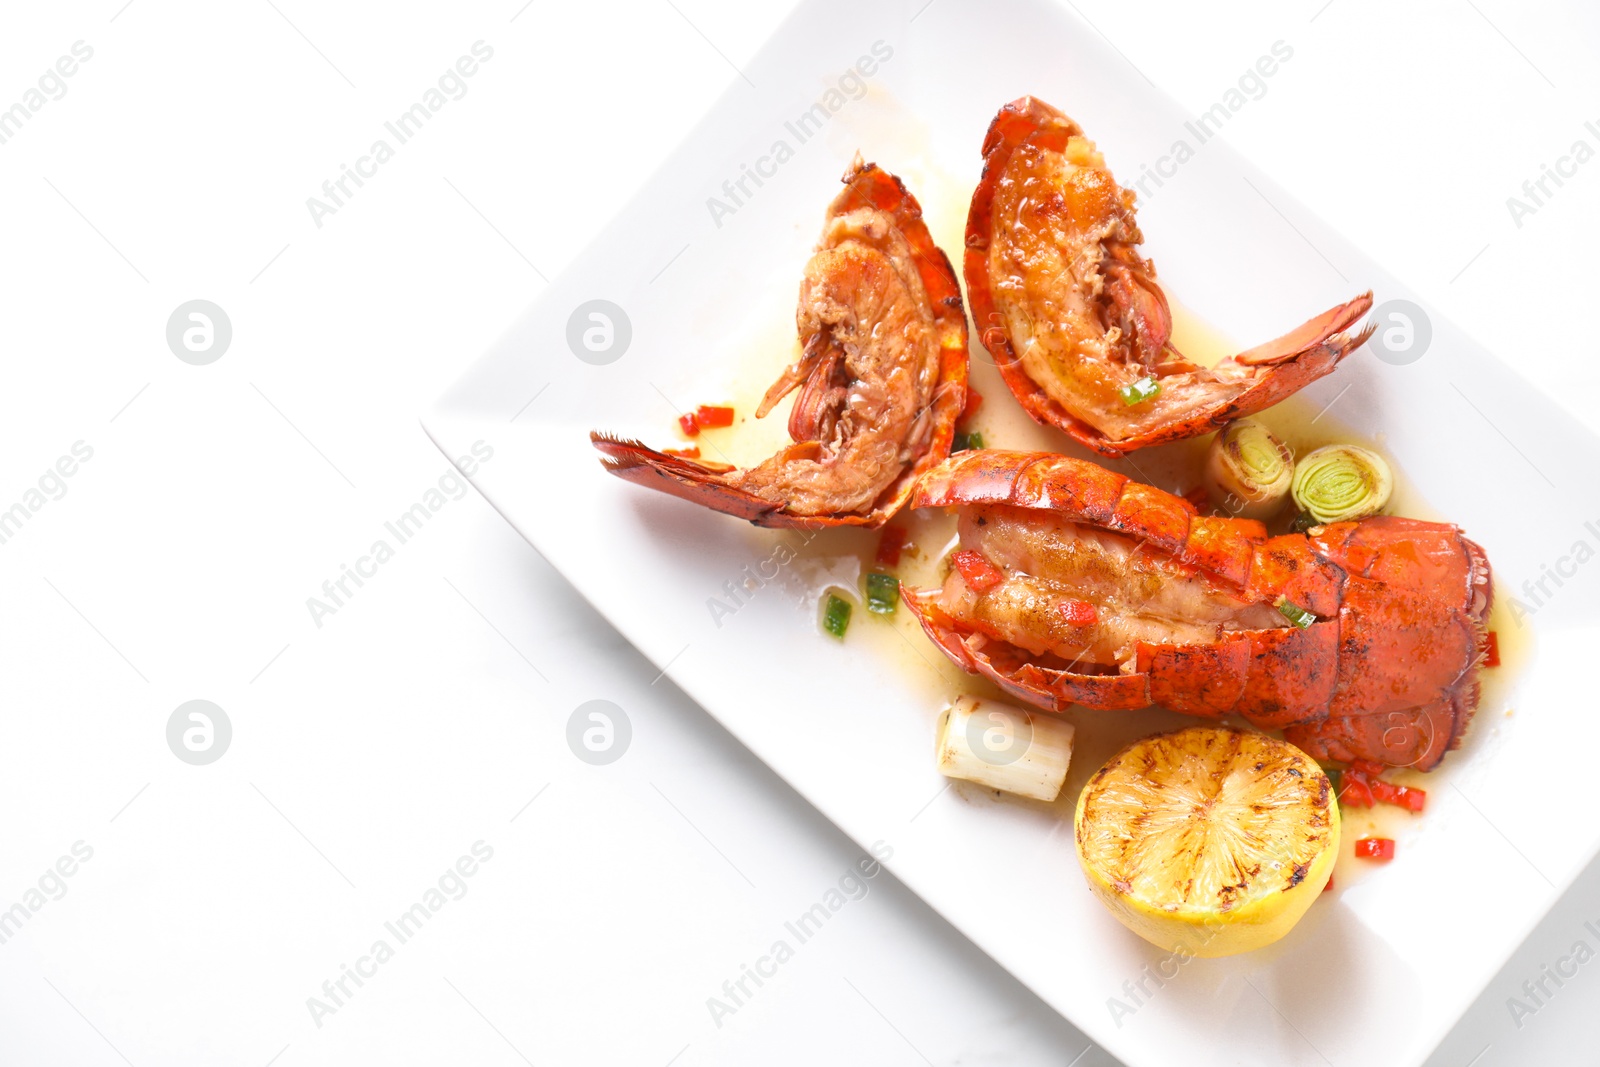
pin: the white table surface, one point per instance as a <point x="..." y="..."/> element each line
<point x="424" y="715"/>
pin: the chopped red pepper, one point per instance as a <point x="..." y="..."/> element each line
<point x="1354" y="792"/>
<point x="710" y="417"/>
<point x="1375" y="848"/>
<point x="979" y="574"/>
<point x="1079" y="612"/>
<point x="890" y="544"/>
<point x="689" y="425"/>
<point x="692" y="452"/>
<point x="1401" y="796"/>
<point x="1198" y="497"/>
<point x="1328" y="884"/>
<point x="1491" y="650"/>
<point x="974" y="402"/>
<point x="1361" y="787"/>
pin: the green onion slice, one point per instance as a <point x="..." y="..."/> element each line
<point x="1139" y="391"/>
<point x="883" y="593"/>
<point x="836" y="617"/>
<point x="1293" y="612"/>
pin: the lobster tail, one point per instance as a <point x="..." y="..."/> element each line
<point x="882" y="377"/>
<point x="1361" y="640"/>
<point x="1074" y="317"/>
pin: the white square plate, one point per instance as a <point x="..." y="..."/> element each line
<point x="1381" y="968"/>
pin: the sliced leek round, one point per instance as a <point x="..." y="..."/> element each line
<point x="1248" y="470"/>
<point x="1342" y="483"/>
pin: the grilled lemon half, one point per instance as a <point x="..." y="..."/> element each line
<point x="1208" y="841"/>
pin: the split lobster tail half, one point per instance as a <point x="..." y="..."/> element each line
<point x="882" y="377"/>
<point x="1073" y="314"/>
<point x="1074" y="585"/>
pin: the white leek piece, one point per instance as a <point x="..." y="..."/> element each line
<point x="1248" y="470"/>
<point x="1005" y="747"/>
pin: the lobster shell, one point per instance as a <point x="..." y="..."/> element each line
<point x="1388" y="672"/>
<point x="866" y="185"/>
<point x="1275" y="370"/>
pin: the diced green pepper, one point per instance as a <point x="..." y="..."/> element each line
<point x="836" y="617"/>
<point x="1294" y="613"/>
<point x="1140" y="391"/>
<point x="883" y="593"/>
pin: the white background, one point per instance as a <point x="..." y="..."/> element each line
<point x="370" y="753"/>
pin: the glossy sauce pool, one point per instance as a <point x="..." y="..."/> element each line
<point x="837" y="561"/>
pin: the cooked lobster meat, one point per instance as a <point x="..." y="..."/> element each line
<point x="1073" y="314"/>
<point x="1074" y="585"/>
<point x="881" y="376"/>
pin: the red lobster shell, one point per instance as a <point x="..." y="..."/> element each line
<point x="1386" y="672"/>
<point x="1054" y="275"/>
<point x="877" y="266"/>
